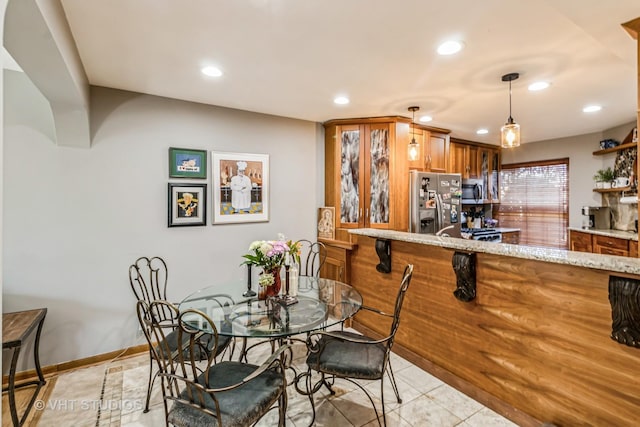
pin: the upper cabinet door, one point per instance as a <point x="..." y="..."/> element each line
<point x="377" y="174"/>
<point x="474" y="165"/>
<point x="458" y="158"/>
<point x="420" y="163"/>
<point x="438" y="152"/>
<point x="351" y="164"/>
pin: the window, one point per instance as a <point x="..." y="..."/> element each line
<point x="534" y="197"/>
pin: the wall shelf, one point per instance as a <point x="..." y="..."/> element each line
<point x="612" y="190"/>
<point x="614" y="149"/>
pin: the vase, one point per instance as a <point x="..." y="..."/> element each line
<point x="270" y="291"/>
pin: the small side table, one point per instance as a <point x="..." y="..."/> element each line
<point x="16" y="327"/>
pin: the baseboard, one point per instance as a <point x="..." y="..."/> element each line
<point x="476" y="393"/>
<point x="76" y="364"/>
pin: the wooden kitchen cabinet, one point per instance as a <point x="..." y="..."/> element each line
<point x="580" y="241"/>
<point x="433" y="150"/>
<point x="437" y="152"/>
<point x="512" y="237"/>
<point x="338" y="261"/>
<point x="599" y="244"/>
<point x="610" y="245"/>
<point x="464" y="158"/>
<point x="367" y="173"/>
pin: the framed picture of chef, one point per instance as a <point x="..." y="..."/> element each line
<point x="187" y="204"/>
<point x="240" y="187"/>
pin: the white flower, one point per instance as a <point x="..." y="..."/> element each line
<point x="266" y="279"/>
<point x="265" y="247"/>
<point x="255" y="245"/>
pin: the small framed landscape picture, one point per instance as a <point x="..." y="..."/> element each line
<point x="187" y="204"/>
<point x="186" y="163"/>
<point x="240" y="187"/>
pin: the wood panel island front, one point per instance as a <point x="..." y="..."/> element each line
<point x="541" y="340"/>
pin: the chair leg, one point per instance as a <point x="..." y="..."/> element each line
<point x="282" y="408"/>
<point x="384" y="410"/>
<point x="393" y="381"/>
<point x="310" y="390"/>
<point x="150" y="383"/>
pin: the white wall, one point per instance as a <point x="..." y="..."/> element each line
<point x="77" y="218"/>
<point x="582" y="163"/>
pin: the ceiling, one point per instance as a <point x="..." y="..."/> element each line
<point x="292" y="57"/>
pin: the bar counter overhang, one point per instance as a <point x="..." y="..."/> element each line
<point x="534" y="340"/>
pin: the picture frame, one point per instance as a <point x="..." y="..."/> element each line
<point x="326" y="223"/>
<point x="187" y="204"/>
<point x="187" y="163"/>
<point x="240" y="187"/>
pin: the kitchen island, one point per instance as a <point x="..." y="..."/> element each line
<point x="533" y="339"/>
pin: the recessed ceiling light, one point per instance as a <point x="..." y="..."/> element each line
<point x="538" y="86"/>
<point x="449" y="47"/>
<point x="341" y="100"/>
<point x="482" y="131"/>
<point x="211" y="71"/>
<point x="425" y="119"/>
<point x="591" y="108"/>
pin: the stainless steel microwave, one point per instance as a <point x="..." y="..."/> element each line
<point x="473" y="191"/>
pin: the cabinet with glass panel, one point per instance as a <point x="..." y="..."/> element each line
<point x="367" y="173"/>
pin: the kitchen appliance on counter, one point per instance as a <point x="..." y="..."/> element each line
<point x="596" y="217"/>
<point x="434" y="202"/>
<point x="474" y="192"/>
<point x="483" y="234"/>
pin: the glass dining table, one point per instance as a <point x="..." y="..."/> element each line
<point x="321" y="303"/>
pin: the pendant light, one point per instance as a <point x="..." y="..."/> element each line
<point x="414" y="148"/>
<point x="511" y="130"/>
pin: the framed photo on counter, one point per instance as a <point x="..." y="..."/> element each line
<point x="187" y="204"/>
<point x="325" y="223"/>
<point x="240" y="187"/>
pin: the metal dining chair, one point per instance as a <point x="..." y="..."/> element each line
<point x="312" y="257"/>
<point x="351" y="357"/>
<point x="206" y="393"/>
<point x="148" y="279"/>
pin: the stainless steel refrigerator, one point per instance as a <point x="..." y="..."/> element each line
<point x="434" y="203"/>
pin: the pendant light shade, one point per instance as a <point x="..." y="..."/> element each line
<point x="414" y="148"/>
<point x="510" y="132"/>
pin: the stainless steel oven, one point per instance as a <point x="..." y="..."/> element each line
<point x="483" y="234"/>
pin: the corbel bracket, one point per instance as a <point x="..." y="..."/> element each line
<point x="464" y="265"/>
<point x="383" y="249"/>
<point x="624" y="297"/>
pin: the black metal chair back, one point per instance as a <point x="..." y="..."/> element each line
<point x="312" y="257"/>
<point x="148" y="279"/>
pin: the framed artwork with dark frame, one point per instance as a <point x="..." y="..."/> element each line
<point x="187" y="163"/>
<point x="187" y="204"/>
<point x="240" y="187"/>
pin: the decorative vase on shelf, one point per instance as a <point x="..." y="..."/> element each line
<point x="272" y="290"/>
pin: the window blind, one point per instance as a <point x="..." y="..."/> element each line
<point x="534" y="197"/>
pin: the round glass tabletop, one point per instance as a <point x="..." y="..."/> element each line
<point x="320" y="303"/>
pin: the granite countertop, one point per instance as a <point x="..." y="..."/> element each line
<point x="557" y="256"/>
<point x="629" y="235"/>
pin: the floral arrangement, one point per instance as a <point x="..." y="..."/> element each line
<point x="272" y="254"/>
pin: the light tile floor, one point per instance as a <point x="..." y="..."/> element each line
<point x="112" y="394"/>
